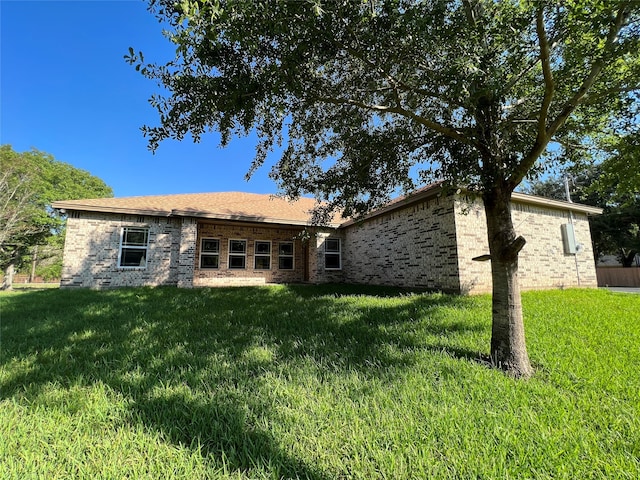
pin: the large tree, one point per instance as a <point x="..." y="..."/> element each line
<point x="366" y="96"/>
<point x="29" y="182"/>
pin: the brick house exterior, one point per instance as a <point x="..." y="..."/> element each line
<point x="424" y="240"/>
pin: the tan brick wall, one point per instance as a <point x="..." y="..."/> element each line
<point x="414" y="247"/>
<point x="92" y="244"/>
<point x="542" y="261"/>
<point x="410" y="247"/>
<point x="187" y="248"/>
<point x="317" y="272"/>
<point x="249" y="275"/>
<point x="93" y="240"/>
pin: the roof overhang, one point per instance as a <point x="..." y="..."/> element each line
<point x="432" y="191"/>
<point x="558" y="204"/>
<point x="402" y="202"/>
<point x="62" y="205"/>
<point x="75" y="206"/>
<point x="437" y="191"/>
<point x="244" y="218"/>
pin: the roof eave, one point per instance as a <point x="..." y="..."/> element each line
<point x="243" y="218"/>
<point x="61" y="205"/>
<point x="560" y="204"/>
<point x="403" y="202"/>
<point x="518" y="197"/>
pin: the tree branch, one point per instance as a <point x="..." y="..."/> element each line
<point x="471" y="12"/>
<point x="549" y="86"/>
<point x="532" y="63"/>
<point x="447" y="131"/>
<point x="596" y="68"/>
<point x="516" y="79"/>
<point x="397" y="84"/>
<point x="590" y="99"/>
<point x="515" y="246"/>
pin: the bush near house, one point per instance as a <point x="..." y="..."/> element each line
<point x="313" y="382"/>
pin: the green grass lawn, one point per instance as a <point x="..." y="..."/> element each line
<point x="35" y="286"/>
<point x="313" y="382"/>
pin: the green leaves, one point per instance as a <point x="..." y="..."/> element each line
<point x="29" y="183"/>
<point x="620" y="172"/>
<point x="135" y="59"/>
<point x="369" y="95"/>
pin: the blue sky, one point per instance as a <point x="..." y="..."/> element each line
<point x="66" y="90"/>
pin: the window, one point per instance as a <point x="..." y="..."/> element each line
<point x="237" y="253"/>
<point x="262" y="255"/>
<point x="134" y="246"/>
<point x="332" y="254"/>
<point x="210" y="253"/>
<point x="285" y="255"/>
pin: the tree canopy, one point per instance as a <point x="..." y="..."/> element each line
<point x="29" y="183"/>
<point x="361" y="92"/>
<point x="368" y="96"/>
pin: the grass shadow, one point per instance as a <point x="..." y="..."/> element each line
<point x="193" y="364"/>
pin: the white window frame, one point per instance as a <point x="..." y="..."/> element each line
<point x="124" y="247"/>
<point x="209" y="254"/>
<point x="257" y="255"/>
<point x="333" y="253"/>
<point x="292" y="256"/>
<point x="236" y="254"/>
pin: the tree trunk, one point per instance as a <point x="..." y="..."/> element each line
<point x="34" y="261"/>
<point x="7" y="283"/>
<point x="627" y="257"/>
<point x="508" y="346"/>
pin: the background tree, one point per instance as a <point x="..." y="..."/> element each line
<point x="368" y="96"/>
<point x="29" y="182"/>
<point x="15" y="210"/>
<point x="617" y="232"/>
<point x="619" y="176"/>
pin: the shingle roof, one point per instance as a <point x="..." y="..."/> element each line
<point x="253" y="207"/>
<point x="222" y="205"/>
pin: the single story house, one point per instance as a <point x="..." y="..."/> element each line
<point x="424" y="240"/>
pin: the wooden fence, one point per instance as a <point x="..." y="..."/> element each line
<point x="618" y="276"/>
<point x="23" y="278"/>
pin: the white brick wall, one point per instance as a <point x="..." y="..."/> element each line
<point x="93" y="240"/>
<point x="187" y="249"/>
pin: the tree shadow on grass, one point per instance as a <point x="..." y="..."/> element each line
<point x="192" y="363"/>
